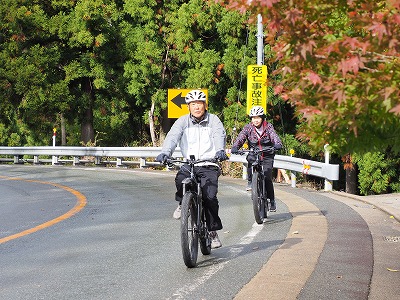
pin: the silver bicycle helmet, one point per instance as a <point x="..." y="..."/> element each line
<point x="195" y="95"/>
<point x="256" y="111"/>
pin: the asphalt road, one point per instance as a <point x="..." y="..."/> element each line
<point x="98" y="233"/>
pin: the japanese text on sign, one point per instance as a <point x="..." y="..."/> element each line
<point x="256" y="86"/>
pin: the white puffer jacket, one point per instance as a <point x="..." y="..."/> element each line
<point x="202" y="139"/>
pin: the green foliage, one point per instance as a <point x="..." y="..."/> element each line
<point x="378" y="173"/>
<point x="339" y="64"/>
<point x="235" y="118"/>
<point x="291" y="143"/>
<point x="15" y="140"/>
<point x="3" y="135"/>
<point x="113" y="60"/>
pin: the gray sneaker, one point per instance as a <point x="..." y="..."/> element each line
<point x="215" y="242"/>
<point x="177" y="212"/>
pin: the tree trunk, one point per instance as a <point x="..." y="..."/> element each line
<point x="151" y="124"/>
<point x="87" y="130"/>
<point x="63" y="134"/>
<point x="351" y="180"/>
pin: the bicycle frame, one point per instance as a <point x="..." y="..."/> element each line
<point x="191" y="185"/>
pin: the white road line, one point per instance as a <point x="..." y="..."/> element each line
<point x="184" y="291"/>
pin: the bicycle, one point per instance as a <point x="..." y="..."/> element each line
<point x="258" y="189"/>
<point x="193" y="220"/>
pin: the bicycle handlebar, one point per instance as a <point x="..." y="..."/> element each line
<point x="174" y="161"/>
<point x="242" y="152"/>
<point x="255" y="151"/>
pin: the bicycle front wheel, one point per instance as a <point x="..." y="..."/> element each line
<point x="189" y="230"/>
<point x="205" y="239"/>
<point x="257" y="198"/>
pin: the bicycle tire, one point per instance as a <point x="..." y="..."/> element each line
<point x="189" y="231"/>
<point x="205" y="239"/>
<point x="256" y="197"/>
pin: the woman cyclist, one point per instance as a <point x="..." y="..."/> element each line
<point x="260" y="135"/>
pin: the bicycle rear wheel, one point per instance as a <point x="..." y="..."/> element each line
<point x="189" y="230"/>
<point x="257" y="198"/>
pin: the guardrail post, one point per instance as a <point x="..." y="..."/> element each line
<point x="292" y="173"/>
<point x="97" y="160"/>
<point x="54" y="160"/>
<point x="328" y="183"/>
<point x="142" y="162"/>
<point x="119" y="162"/>
<point x="16" y="159"/>
<point x="244" y="173"/>
<point x="75" y="160"/>
<point x="36" y="160"/>
<point x="293" y="179"/>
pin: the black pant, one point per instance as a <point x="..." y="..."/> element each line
<point x="208" y="176"/>
<point x="249" y="173"/>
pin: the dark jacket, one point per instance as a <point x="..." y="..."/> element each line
<point x="268" y="141"/>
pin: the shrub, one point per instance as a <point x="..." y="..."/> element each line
<point x="377" y="173"/>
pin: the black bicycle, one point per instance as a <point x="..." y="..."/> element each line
<point x="193" y="220"/>
<point x="258" y="188"/>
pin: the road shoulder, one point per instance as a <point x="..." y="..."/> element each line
<point x="385" y="231"/>
<point x="292" y="264"/>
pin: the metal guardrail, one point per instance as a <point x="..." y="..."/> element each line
<point x="99" y="155"/>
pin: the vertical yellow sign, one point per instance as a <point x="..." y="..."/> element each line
<point x="256" y="86"/>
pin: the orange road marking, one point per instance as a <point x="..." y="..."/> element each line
<point x="80" y="204"/>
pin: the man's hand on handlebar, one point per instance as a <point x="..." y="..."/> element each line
<point x="221" y="155"/>
<point x="162" y="158"/>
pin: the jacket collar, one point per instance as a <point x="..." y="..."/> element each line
<point x="195" y="121"/>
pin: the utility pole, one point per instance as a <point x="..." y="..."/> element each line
<point x="260" y="41"/>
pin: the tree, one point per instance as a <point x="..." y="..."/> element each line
<point x="88" y="31"/>
<point x="103" y="67"/>
<point x="31" y="94"/>
<point x="64" y="60"/>
<point x="182" y="44"/>
<point x="339" y="65"/>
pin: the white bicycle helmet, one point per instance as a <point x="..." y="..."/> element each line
<point x="195" y="95"/>
<point x="256" y="111"/>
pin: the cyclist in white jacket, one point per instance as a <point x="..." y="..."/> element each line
<point x="201" y="134"/>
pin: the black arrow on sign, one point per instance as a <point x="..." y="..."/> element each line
<point x="178" y="100"/>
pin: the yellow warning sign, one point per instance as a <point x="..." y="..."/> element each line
<point x="177" y="106"/>
<point x="256" y="86"/>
